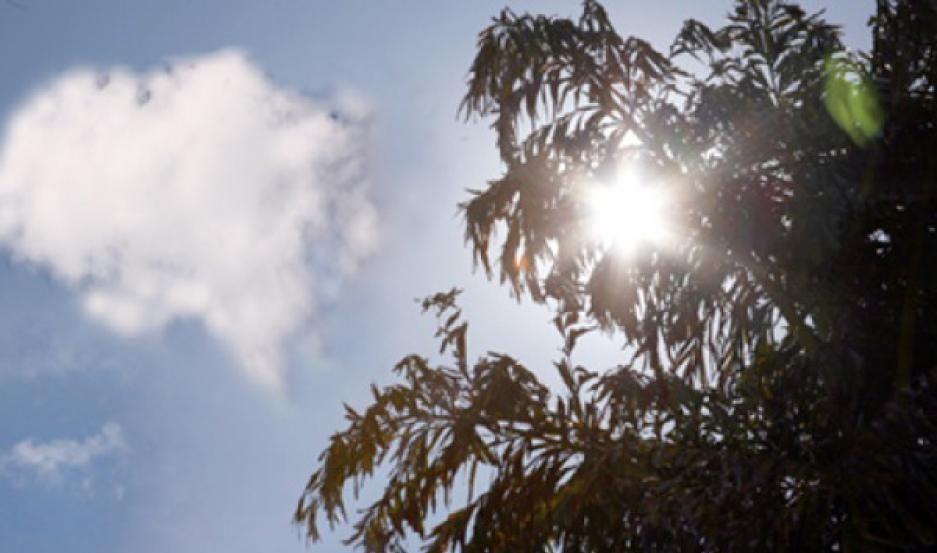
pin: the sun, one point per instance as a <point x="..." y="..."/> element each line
<point x="626" y="213"/>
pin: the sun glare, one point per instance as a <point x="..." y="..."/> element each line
<point x="626" y="213"/>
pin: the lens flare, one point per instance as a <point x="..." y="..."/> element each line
<point x="626" y="213"/>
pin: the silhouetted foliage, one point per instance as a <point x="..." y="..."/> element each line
<point x="779" y="391"/>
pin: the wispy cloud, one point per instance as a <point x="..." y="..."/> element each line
<point x="200" y="191"/>
<point x="50" y="461"/>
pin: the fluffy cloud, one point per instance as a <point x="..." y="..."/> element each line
<point x="199" y="191"/>
<point x="49" y="461"/>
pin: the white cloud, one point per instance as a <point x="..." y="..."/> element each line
<point x="203" y="191"/>
<point x="49" y="461"/>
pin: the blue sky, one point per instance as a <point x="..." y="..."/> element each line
<point x="127" y="425"/>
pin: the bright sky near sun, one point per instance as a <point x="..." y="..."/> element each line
<point x="214" y="218"/>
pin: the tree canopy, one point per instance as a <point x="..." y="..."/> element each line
<point x="777" y="390"/>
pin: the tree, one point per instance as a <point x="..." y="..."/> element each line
<point x="779" y="390"/>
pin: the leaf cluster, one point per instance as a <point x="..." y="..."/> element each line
<point x="778" y="384"/>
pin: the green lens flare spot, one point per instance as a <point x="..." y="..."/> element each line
<point x="851" y="100"/>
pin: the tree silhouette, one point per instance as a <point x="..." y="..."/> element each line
<point x="782" y="342"/>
